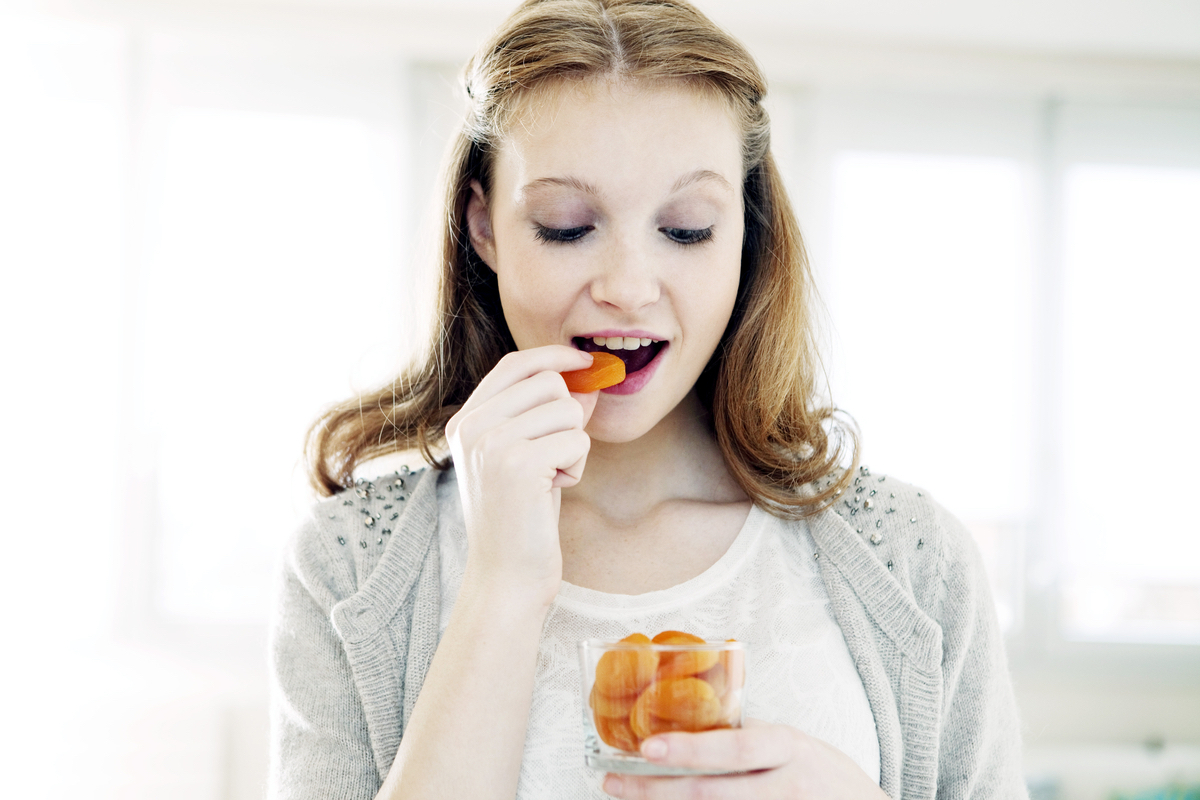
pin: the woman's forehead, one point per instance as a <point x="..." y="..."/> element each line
<point x="591" y="130"/>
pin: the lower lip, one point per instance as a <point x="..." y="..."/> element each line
<point x="634" y="381"/>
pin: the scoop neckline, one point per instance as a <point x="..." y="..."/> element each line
<point x="579" y="598"/>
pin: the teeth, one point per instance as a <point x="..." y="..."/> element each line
<point x="621" y="342"/>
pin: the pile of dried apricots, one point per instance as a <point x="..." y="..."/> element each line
<point x="639" y="692"/>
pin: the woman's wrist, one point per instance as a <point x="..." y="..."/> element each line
<point x="506" y="598"/>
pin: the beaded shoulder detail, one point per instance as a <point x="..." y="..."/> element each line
<point x="900" y="524"/>
<point x="359" y="520"/>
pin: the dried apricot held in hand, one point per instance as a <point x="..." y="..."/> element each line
<point x="606" y="370"/>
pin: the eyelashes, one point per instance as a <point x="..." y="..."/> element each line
<point x="687" y="235"/>
<point x="683" y="236"/>
<point x="561" y="234"/>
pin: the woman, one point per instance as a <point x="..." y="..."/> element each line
<point x="613" y="189"/>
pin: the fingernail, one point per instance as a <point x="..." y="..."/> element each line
<point x="612" y="785"/>
<point x="654" y="748"/>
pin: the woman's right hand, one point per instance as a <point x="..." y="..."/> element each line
<point x="516" y="442"/>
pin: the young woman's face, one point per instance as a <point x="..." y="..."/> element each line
<point x="616" y="214"/>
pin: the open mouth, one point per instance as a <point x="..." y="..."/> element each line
<point x="636" y="353"/>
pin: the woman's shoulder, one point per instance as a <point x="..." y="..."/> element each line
<point x="918" y="541"/>
<point x="345" y="536"/>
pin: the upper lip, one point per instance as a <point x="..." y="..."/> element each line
<point x="609" y="333"/>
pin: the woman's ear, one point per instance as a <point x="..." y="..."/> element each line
<point x="479" y="226"/>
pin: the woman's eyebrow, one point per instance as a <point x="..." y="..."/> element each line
<point x="700" y="175"/>
<point x="569" y="182"/>
<point x="587" y="188"/>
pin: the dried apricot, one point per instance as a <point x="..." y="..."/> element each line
<point x="617" y="733"/>
<point x="613" y="707"/>
<point x="606" y="370"/>
<point x="676" y="637"/>
<point x="625" y="672"/>
<point x="645" y="725"/>
<point x="689" y="702"/>
<point x="683" y="664"/>
<point x="717" y="678"/>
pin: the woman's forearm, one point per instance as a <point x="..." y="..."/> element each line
<point x="467" y="732"/>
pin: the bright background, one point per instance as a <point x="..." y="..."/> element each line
<point x="212" y="221"/>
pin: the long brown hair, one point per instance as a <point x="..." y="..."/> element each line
<point x="760" y="386"/>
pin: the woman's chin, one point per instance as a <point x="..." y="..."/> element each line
<point x="612" y="426"/>
<point x="621" y="420"/>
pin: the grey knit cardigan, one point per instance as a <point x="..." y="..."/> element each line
<point x="356" y="626"/>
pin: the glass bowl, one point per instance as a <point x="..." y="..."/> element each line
<point x="636" y="687"/>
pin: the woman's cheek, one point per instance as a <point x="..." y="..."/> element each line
<point x="534" y="312"/>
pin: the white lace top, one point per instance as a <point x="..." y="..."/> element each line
<point x="765" y="591"/>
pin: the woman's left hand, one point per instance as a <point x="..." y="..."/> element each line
<point x="778" y="762"/>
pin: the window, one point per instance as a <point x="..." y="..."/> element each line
<point x="270" y="269"/>
<point x="271" y="284"/>
<point x="1131" y="549"/>
<point x="63" y="192"/>
<point x="930" y="274"/>
<point x="1010" y="289"/>
<point x="1129" y="179"/>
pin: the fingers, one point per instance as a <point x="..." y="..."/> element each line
<point x="560" y="451"/>
<point x="730" y="749"/>
<point x="514" y="387"/>
<point x="520" y="365"/>
<point x="541" y="419"/>
<point x="754" y="753"/>
<point x="545" y="446"/>
<point x="570" y="475"/>
<point x="538" y="389"/>
<point x="516" y="446"/>
<point x="587" y="400"/>
<point x="769" y="762"/>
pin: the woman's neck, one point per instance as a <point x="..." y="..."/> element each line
<point x="678" y="460"/>
<point x="651" y="513"/>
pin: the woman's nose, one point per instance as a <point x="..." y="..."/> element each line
<point x="626" y="280"/>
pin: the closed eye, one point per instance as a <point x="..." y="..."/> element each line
<point x="688" y="235"/>
<point x="561" y="234"/>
